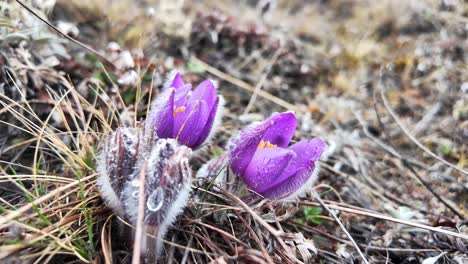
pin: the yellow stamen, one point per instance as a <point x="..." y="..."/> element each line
<point x="265" y="144"/>
<point x="179" y="109"/>
<point x="188" y="117"/>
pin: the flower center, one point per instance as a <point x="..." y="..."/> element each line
<point x="179" y="109"/>
<point x="265" y="144"/>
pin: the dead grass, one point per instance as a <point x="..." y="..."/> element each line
<point x="379" y="80"/>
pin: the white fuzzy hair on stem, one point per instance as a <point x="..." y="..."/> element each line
<point x="104" y="182"/>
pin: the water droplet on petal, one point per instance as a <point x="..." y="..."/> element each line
<point x="135" y="194"/>
<point x="135" y="183"/>
<point x="155" y="200"/>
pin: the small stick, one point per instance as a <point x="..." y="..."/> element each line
<point x="368" y="247"/>
<point x="189" y="244"/>
<point x="405" y="161"/>
<point x="106" y="242"/>
<point x="260" y="83"/>
<point x="409" y="135"/>
<point x="140" y="217"/>
<point x="343" y="228"/>
<point x="102" y="57"/>
<point x="276" y="233"/>
<point x="220" y="231"/>
<point x="391" y="219"/>
<point x="245" y="85"/>
<point x="256" y="238"/>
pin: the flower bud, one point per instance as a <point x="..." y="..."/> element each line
<point x="116" y="161"/>
<point x="167" y="182"/>
<point x="167" y="178"/>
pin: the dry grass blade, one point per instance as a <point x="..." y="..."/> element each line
<point x="408" y="133"/>
<point x="406" y="162"/>
<point x="391" y="219"/>
<point x="140" y="218"/>
<point x="245" y="85"/>
<point x="276" y="233"/>
<point x="102" y="57"/>
<point x="5" y="221"/>
<point x="262" y="80"/>
<point x="41" y="133"/>
<point x="343" y="228"/>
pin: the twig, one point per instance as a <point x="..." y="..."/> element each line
<point x="140" y="217"/>
<point x="244" y="85"/>
<point x="433" y="192"/>
<point x="106" y="242"/>
<point x="220" y="231"/>
<point x="368" y="247"/>
<point x="408" y="134"/>
<point x="189" y="244"/>
<point x="277" y="234"/>
<point x="102" y="57"/>
<point x="343" y="228"/>
<point x="405" y="161"/>
<point x="256" y="238"/>
<point x="366" y="212"/>
<point x="262" y="80"/>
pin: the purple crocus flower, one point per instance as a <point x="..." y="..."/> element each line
<point x="260" y="155"/>
<point x="189" y="117"/>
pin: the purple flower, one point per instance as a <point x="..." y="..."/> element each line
<point x="260" y="155"/>
<point x="189" y="117"/>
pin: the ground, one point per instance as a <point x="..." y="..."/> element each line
<point x="384" y="83"/>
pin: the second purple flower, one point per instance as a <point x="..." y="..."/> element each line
<point x="260" y="155"/>
<point x="188" y="116"/>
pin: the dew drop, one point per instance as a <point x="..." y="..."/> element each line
<point x="135" y="194"/>
<point x="115" y="148"/>
<point x="135" y="183"/>
<point x="155" y="200"/>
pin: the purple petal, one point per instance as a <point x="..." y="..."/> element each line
<point x="181" y="93"/>
<point x="265" y="167"/>
<point x="278" y="130"/>
<point x="307" y="152"/>
<point x="180" y="115"/>
<point x="309" y="149"/>
<point x="293" y="183"/>
<point x="173" y="94"/>
<point x="189" y="125"/>
<point x="174" y="80"/>
<point x="205" y="91"/>
<point x="281" y="132"/>
<point x="299" y="169"/>
<point x="242" y="147"/>
<point x="162" y="114"/>
<point x="209" y="124"/>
